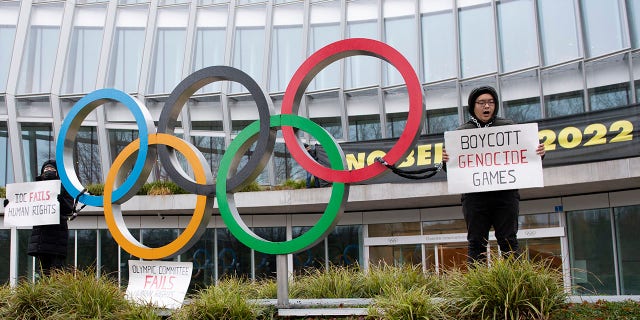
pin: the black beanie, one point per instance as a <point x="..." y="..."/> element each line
<point x="48" y="163"/>
<point x="475" y="93"/>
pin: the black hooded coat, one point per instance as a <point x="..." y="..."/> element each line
<point x="52" y="239"/>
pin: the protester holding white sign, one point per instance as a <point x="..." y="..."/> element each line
<point x="45" y="205"/>
<point x="489" y="165"/>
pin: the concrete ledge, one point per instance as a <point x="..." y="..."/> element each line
<point x="322" y="312"/>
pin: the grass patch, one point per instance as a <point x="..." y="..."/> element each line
<point x="510" y="288"/>
<point x="602" y="310"/>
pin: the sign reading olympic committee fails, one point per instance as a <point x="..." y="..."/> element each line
<point x="493" y="158"/>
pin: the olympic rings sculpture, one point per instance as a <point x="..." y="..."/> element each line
<point x="129" y="174"/>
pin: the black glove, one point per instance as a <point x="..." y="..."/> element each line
<point x="6" y="202"/>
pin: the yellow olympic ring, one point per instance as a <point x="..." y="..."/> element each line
<point x="202" y="211"/>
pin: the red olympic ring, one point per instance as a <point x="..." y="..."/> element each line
<point x="318" y="61"/>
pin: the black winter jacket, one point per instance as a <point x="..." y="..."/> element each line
<point x="52" y="239"/>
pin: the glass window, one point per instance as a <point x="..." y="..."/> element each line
<point x="544" y="250"/>
<point x="441" y="120"/>
<point x="286" y="45"/>
<point x="558" y="31"/>
<point x="234" y="258"/>
<point x="6" y="162"/>
<point x="591" y="252"/>
<point x="540" y="220"/>
<point x="41" y="48"/>
<point x="109" y="252"/>
<point x="608" y="82"/>
<point x="602" y="26"/>
<point x="345" y="245"/>
<point x="9" y="12"/>
<point x="212" y="149"/>
<point x="396" y="105"/>
<point x="201" y="254"/>
<point x="396" y="123"/>
<point x="286" y="168"/>
<point x="452" y="255"/>
<point x="563" y="90"/>
<point x="127" y="48"/>
<point x="444" y="226"/>
<point x="265" y="264"/>
<point x="5" y="250"/>
<point x="633" y="13"/>
<point x="324" y="29"/>
<point x="33" y="107"/>
<point x="86" y="248"/>
<point x="364" y="115"/>
<point x="394" y="229"/>
<point x="82" y="61"/>
<point x="401" y="255"/>
<point x="125" y="257"/>
<point x="517" y="33"/>
<point x="86" y="156"/>
<point x="441" y="95"/>
<point x="37" y="146"/>
<point x="521" y="96"/>
<point x="325" y="109"/>
<point x="25" y="261"/>
<point x="400" y="32"/>
<point x="7" y="34"/>
<point x="477" y="40"/>
<point x="438" y="40"/>
<point x="313" y="257"/>
<point x="248" y="50"/>
<point x="210" y="43"/>
<point x="627" y="226"/>
<point x="166" y="69"/>
<point x="362" y="22"/>
<point x="119" y="139"/>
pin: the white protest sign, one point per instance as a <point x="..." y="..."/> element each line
<point x="493" y="158"/>
<point x="161" y="283"/>
<point x="32" y="204"/>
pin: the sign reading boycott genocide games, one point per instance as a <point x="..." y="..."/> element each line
<point x="493" y="158"/>
<point x="32" y="204"/>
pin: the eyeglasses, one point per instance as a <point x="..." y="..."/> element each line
<point x="48" y="168"/>
<point x="481" y="103"/>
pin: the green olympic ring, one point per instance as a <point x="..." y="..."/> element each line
<point x="226" y="201"/>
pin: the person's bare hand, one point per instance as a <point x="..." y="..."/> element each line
<point x="540" y="150"/>
<point x="445" y="156"/>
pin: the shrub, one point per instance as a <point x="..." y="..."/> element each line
<point x="509" y="288"/>
<point x="72" y="295"/>
<point x="383" y="276"/>
<point x="413" y="303"/>
<point x="226" y="300"/>
<point x="3" y="192"/>
<point x="337" y="282"/>
<point x="253" y="186"/>
<point x="160" y="187"/>
<point x="292" y="185"/>
<point x="604" y="310"/>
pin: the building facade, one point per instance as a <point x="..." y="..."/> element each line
<point x="547" y="59"/>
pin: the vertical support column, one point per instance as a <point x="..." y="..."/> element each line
<point x="282" y="281"/>
<point x="13" y="258"/>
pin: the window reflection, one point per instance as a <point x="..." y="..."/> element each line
<point x="602" y="26"/>
<point x="591" y="252"/>
<point x="540" y="220"/>
<point x="396" y="255"/>
<point x="6" y="161"/>
<point x="517" y="34"/>
<point x="86" y="156"/>
<point x="167" y="60"/>
<point x="234" y="258"/>
<point x="313" y="257"/>
<point x="477" y="40"/>
<point x="324" y="28"/>
<point x="265" y="264"/>
<point x="394" y="229"/>
<point x="7" y="34"/>
<point x="108" y="254"/>
<point x="396" y="123"/>
<point x="612" y="96"/>
<point x="345" y="245"/>
<point x="286" y="168"/>
<point x="438" y="40"/>
<point x="627" y="226"/>
<point x="37" y="147"/>
<point x="126" y="59"/>
<point x="202" y="257"/>
<point x="364" y="127"/>
<point x="400" y="33"/>
<point x="441" y="120"/>
<point x="558" y="30"/>
<point x="286" y="45"/>
<point x="563" y="104"/>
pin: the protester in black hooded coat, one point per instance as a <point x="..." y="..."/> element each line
<point x="482" y="210"/>
<point x="48" y="243"/>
